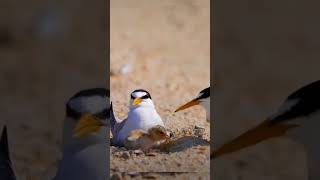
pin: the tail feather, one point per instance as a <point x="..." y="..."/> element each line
<point x="113" y="120"/>
<point x="116" y="126"/>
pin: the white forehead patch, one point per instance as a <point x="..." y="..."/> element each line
<point x="139" y="94"/>
<point x="200" y="94"/>
<point x="285" y="107"/>
<point x="92" y="104"/>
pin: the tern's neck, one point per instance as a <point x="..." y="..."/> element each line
<point x="313" y="161"/>
<point x="71" y="143"/>
<point x="206" y="105"/>
<point x="307" y="134"/>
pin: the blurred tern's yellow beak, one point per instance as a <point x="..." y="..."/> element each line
<point x="136" y="101"/>
<point x="87" y="124"/>
<point x="262" y="132"/>
<point x="187" y="105"/>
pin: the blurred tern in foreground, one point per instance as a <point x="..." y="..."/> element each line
<point x="298" y="118"/>
<point x="85" y="137"/>
<point x="142" y="115"/>
<point x="202" y="99"/>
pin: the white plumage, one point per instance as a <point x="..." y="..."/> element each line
<point x="141" y="116"/>
<point x="85" y="157"/>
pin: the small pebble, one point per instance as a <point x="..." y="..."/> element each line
<point x="117" y="177"/>
<point x="138" y="152"/>
<point x="125" y="155"/>
<point x="125" y="69"/>
<point x="133" y="174"/>
<point x="151" y="176"/>
<point x="151" y="154"/>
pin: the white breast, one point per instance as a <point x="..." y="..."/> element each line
<point x="206" y="105"/>
<point x="140" y="118"/>
<point x="307" y="134"/>
<point x="89" y="163"/>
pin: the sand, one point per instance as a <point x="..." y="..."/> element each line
<point x="162" y="47"/>
<point x="165" y="44"/>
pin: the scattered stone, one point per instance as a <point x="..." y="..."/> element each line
<point x="138" y="152"/>
<point x="125" y="69"/>
<point x="122" y="149"/>
<point x="133" y="174"/>
<point x="170" y="133"/>
<point x="152" y="154"/>
<point x="117" y="176"/>
<point x="117" y="154"/>
<point x="125" y="155"/>
<point x="151" y="176"/>
<point x="202" y="150"/>
<point x="199" y="131"/>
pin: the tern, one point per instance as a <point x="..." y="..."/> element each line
<point x="142" y="115"/>
<point x="202" y="99"/>
<point x="85" y="136"/>
<point x="297" y="117"/>
<point x="84" y="139"/>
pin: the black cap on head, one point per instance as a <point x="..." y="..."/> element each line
<point x="92" y="92"/>
<point x="143" y="97"/>
<point x="102" y="92"/>
<point x="204" y="94"/>
<point x="307" y="102"/>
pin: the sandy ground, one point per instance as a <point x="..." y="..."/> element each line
<point x="163" y="47"/>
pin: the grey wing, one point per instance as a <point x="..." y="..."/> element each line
<point x="116" y="126"/>
<point x="6" y="170"/>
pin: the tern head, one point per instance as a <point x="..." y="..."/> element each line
<point x="87" y="111"/>
<point x="140" y="98"/>
<point x="202" y="99"/>
<point x="297" y="118"/>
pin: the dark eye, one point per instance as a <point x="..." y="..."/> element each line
<point x="102" y="115"/>
<point x="132" y="97"/>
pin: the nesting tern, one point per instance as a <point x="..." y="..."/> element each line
<point x="202" y="99"/>
<point x="142" y="115"/>
<point x="298" y="117"/>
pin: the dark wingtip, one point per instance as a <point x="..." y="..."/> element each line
<point x="4" y="141"/>
<point x="6" y="170"/>
<point x="112" y="117"/>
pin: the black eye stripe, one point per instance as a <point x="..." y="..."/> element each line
<point x="143" y="97"/>
<point x="77" y="115"/>
<point x="102" y="115"/>
<point x="72" y="113"/>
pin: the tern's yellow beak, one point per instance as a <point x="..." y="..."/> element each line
<point x="262" y="132"/>
<point x="86" y="125"/>
<point x="187" y="105"/>
<point x="136" y="101"/>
